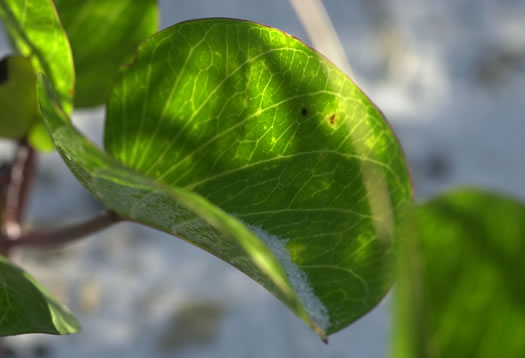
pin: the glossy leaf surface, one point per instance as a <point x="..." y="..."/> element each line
<point x="26" y="307"/>
<point x="104" y="34"/>
<point x="253" y="122"/>
<point x="463" y="293"/>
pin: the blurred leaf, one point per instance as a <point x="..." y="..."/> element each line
<point x="18" y="104"/>
<point x="276" y="136"/>
<point x="39" y="138"/>
<point x="104" y="34"/>
<point x="26" y="307"/>
<point x="463" y="292"/>
<point x="35" y="31"/>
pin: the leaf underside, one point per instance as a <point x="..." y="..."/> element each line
<point x="25" y="307"/>
<point x="245" y="142"/>
<point x="462" y="288"/>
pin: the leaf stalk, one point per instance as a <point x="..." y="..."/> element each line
<point x="65" y="235"/>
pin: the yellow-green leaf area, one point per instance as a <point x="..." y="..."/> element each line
<point x="18" y="104"/>
<point x="26" y="307"/>
<point x="34" y="30"/>
<point x="276" y="136"/>
<point x="104" y="34"/>
<point x="462" y="287"/>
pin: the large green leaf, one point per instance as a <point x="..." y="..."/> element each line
<point x="274" y="135"/>
<point x="173" y="210"/>
<point x="462" y="293"/>
<point x="104" y="34"/>
<point x="26" y="307"/>
<point x="34" y="30"/>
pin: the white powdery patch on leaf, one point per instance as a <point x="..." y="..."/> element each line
<point x="296" y="276"/>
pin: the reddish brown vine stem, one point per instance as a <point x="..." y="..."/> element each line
<point x="17" y="185"/>
<point x="56" y="237"/>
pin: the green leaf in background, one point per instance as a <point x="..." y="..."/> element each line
<point x="234" y="115"/>
<point x="104" y="34"/>
<point x="26" y="307"/>
<point x="18" y="104"/>
<point x="463" y="292"/>
<point x="35" y="31"/>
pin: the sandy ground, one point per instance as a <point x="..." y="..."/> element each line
<point x="449" y="76"/>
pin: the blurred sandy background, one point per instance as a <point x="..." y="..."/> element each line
<point x="450" y="77"/>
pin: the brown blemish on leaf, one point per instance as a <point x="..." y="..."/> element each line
<point x="331" y="119"/>
<point x="304" y="111"/>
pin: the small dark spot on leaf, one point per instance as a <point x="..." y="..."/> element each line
<point x="3" y="70"/>
<point x="304" y="111"/>
<point x="331" y="119"/>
